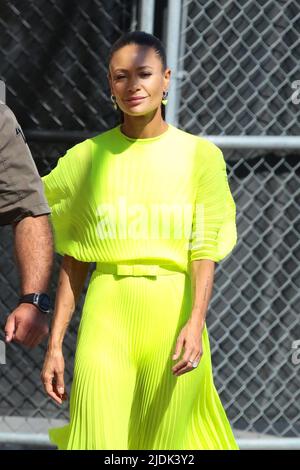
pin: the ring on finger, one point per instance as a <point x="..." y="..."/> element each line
<point x="194" y="363"/>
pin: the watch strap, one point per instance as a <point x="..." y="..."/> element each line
<point x="33" y="299"/>
<point x="30" y="298"/>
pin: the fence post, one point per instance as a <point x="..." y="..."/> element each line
<point x="2" y="352"/>
<point x="147" y="16"/>
<point x="2" y="91"/>
<point x="173" y="42"/>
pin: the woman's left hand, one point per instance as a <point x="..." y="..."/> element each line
<point x="190" y="338"/>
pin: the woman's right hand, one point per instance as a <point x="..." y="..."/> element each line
<point x="52" y="375"/>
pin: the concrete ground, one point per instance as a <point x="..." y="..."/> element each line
<point x="17" y="433"/>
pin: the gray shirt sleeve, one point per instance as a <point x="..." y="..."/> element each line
<point x="21" y="188"/>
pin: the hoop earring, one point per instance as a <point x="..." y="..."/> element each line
<point x="114" y="101"/>
<point x="164" y="98"/>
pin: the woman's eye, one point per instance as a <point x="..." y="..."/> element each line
<point x="143" y="74"/>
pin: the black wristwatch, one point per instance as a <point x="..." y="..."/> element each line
<point x="39" y="299"/>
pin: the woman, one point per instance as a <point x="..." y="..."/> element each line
<point x="151" y="205"/>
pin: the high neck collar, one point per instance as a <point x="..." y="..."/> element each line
<point x="144" y="140"/>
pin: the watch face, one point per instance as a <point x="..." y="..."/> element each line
<point x="44" y="302"/>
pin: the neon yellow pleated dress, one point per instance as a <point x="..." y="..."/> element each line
<point x="146" y="208"/>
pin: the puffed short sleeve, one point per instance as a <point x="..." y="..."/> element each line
<point x="214" y="232"/>
<point x="66" y="190"/>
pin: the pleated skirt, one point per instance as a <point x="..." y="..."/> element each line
<point x="123" y="394"/>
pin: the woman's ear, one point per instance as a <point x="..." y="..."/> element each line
<point x="167" y="77"/>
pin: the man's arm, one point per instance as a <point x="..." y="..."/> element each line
<point x="23" y="205"/>
<point x="33" y="244"/>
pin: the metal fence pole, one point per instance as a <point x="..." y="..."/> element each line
<point x="262" y="142"/>
<point x="41" y="439"/>
<point x="2" y="91"/>
<point x="147" y="16"/>
<point x="172" y="49"/>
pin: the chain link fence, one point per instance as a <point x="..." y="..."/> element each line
<point x="238" y="71"/>
<point x="237" y="61"/>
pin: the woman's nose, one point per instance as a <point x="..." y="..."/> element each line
<point x="134" y="85"/>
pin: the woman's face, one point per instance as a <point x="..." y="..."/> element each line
<point x="136" y="72"/>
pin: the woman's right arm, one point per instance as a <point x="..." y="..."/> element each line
<point x="71" y="281"/>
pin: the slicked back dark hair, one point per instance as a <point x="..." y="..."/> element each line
<point x="140" y="38"/>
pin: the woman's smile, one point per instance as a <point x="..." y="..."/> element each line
<point x="135" y="101"/>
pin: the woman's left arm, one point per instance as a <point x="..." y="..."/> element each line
<point x="213" y="237"/>
<point x="202" y="277"/>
